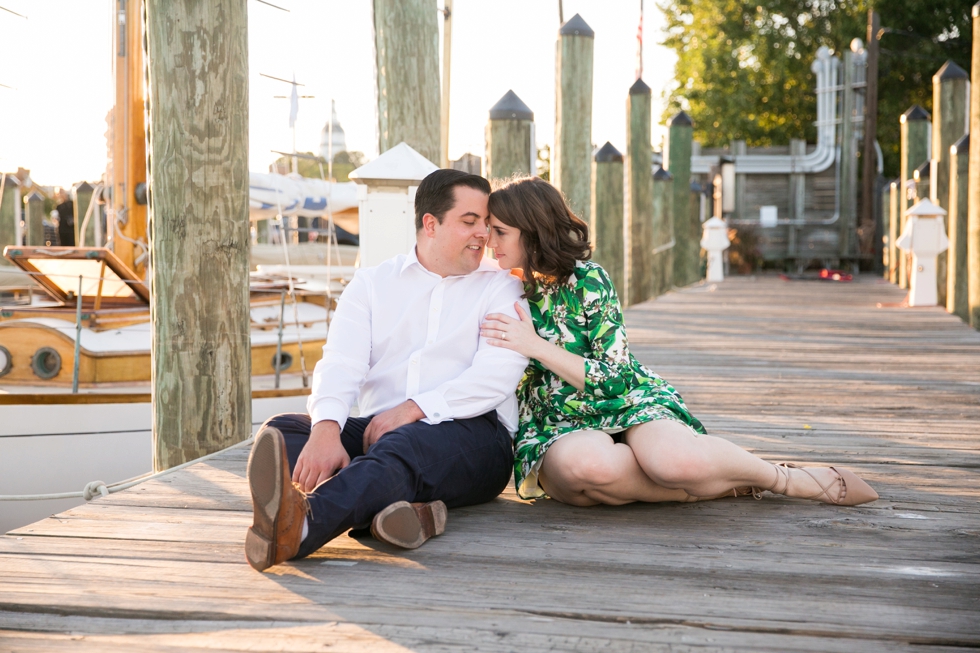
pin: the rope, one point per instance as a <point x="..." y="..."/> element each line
<point x="94" y="489"/>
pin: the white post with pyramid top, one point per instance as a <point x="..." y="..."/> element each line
<point x="386" y="202"/>
<point x="925" y="237"/>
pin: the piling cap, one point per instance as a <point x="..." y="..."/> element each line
<point x="661" y="175"/>
<point x="950" y="71"/>
<point x="925" y="207"/>
<point x="576" y="26"/>
<point x="34" y="197"/>
<point x="915" y="112"/>
<point x="607" y="154"/>
<point x="961" y="146"/>
<point x="639" y="87"/>
<point x="976" y="10"/>
<point x="680" y="120"/>
<point x="84" y="187"/>
<point x="510" y="107"/>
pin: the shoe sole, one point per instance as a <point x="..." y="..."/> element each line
<point x="265" y="482"/>
<point x="400" y="525"/>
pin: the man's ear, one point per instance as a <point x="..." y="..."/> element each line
<point x="429" y="223"/>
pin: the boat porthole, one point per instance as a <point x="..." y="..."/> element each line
<point x="285" y="362"/>
<point x="5" y="361"/>
<point x="46" y="363"/>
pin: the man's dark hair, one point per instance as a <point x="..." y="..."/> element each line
<point x="435" y="194"/>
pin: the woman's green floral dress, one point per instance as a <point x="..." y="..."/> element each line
<point x="584" y="316"/>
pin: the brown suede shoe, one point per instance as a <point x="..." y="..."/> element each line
<point x="409" y="525"/>
<point x="279" y="509"/>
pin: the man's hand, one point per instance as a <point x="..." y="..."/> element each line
<point x="402" y="414"/>
<point x="322" y="457"/>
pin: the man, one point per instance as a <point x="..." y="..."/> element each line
<point x="66" y="219"/>
<point x="439" y="401"/>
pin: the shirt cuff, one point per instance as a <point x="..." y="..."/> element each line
<point x="434" y="405"/>
<point x="332" y="409"/>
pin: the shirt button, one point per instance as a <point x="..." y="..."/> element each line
<point x="436" y="415"/>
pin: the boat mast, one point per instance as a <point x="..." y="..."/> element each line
<point x="127" y="230"/>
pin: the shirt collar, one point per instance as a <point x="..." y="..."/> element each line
<point x="487" y="264"/>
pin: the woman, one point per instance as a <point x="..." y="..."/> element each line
<point x="595" y="425"/>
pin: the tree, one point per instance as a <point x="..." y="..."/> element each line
<point x="344" y="163"/>
<point x="743" y="69"/>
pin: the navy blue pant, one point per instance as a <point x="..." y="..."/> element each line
<point x="461" y="462"/>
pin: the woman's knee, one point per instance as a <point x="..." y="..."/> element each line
<point x="583" y="463"/>
<point x="668" y="453"/>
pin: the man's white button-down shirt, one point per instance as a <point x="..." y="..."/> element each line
<point x="402" y="332"/>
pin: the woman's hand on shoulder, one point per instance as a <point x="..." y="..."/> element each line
<point x="515" y="334"/>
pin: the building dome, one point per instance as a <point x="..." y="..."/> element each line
<point x="339" y="139"/>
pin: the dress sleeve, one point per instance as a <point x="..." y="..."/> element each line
<point x="608" y="367"/>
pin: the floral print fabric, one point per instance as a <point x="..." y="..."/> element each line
<point x="584" y="316"/>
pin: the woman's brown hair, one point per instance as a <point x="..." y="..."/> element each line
<point x="552" y="236"/>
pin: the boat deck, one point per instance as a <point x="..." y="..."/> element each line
<point x="793" y="371"/>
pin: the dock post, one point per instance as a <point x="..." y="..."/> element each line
<point x="950" y="87"/>
<point x="639" y="193"/>
<point x="606" y="214"/>
<point x="663" y="248"/>
<point x="894" y="231"/>
<point x="9" y="199"/>
<point x="510" y="138"/>
<point x="571" y="167"/>
<point x="199" y="240"/>
<point x="956" y="281"/>
<point x="406" y="43"/>
<point x="82" y="198"/>
<point x="848" y="161"/>
<point x="916" y="133"/>
<point x="973" y="200"/>
<point x="797" y="200"/>
<point x="686" y="225"/>
<point x="34" y="220"/>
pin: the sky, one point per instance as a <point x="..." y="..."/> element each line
<point x="59" y="63"/>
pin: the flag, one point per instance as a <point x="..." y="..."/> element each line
<point x="639" y="45"/>
<point x="293" y="105"/>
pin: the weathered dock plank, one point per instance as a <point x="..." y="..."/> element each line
<point x="792" y="371"/>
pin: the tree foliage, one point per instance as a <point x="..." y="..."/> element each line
<point x="743" y="69"/>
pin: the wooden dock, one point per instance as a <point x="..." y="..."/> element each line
<point x="811" y="371"/>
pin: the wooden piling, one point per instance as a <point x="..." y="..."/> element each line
<point x="510" y="138"/>
<point x="606" y="214"/>
<point x="916" y="134"/>
<point x="950" y="101"/>
<point x="956" y="280"/>
<point x="34" y="220"/>
<point x="406" y="39"/>
<point x="797" y="200"/>
<point x="82" y="199"/>
<point x="663" y="249"/>
<point x="884" y="232"/>
<point x="571" y="161"/>
<point x="685" y="227"/>
<point x="639" y="193"/>
<point x="199" y="242"/>
<point x="973" y="201"/>
<point x="848" y="164"/>
<point x="894" y="230"/>
<point x="739" y="148"/>
<point x="9" y="198"/>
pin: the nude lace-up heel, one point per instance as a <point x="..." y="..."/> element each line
<point x="847" y="490"/>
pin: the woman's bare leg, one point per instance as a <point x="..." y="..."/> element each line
<point x="587" y="468"/>
<point x="674" y="456"/>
